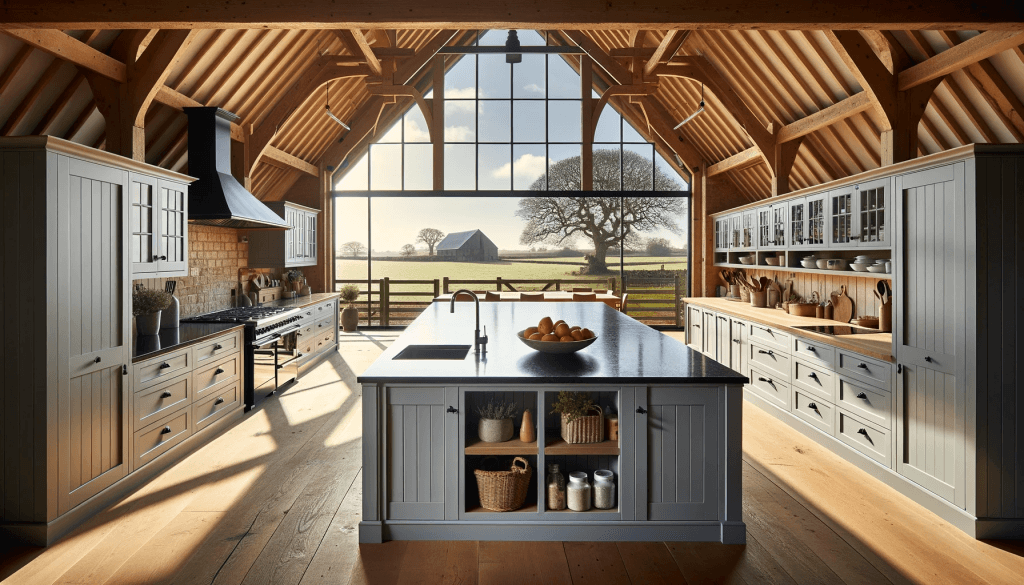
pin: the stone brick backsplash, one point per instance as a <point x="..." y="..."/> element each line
<point x="215" y="256"/>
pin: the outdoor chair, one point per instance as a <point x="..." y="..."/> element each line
<point x="584" y="297"/>
<point x="492" y="297"/>
<point x="581" y="289"/>
<point x="463" y="297"/>
<point x="534" y="297"/>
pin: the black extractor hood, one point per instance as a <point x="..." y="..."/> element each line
<point x="217" y="198"/>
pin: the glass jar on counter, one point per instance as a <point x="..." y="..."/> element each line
<point x="604" y="489"/>
<point x="556" y="488"/>
<point x="578" y="492"/>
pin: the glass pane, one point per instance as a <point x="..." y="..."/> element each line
<point x="528" y="118"/>
<point x="416" y="126"/>
<point x="629" y="134"/>
<point x="460" y="167"/>
<point x="564" y="121"/>
<point x="495" y="166"/>
<point x="492" y="37"/>
<point x="608" y="126"/>
<point x="530" y="37"/>
<point x="495" y="77"/>
<point x="529" y="164"/>
<point x="460" y="121"/>
<point x="460" y="80"/>
<point x="528" y="77"/>
<point x="637" y="167"/>
<point x="419" y="167"/>
<point x="495" y="121"/>
<point x="665" y="176"/>
<point x="563" y="81"/>
<point x="386" y="167"/>
<point x="607" y="173"/>
<point x="356" y="177"/>
<point x="564" y="167"/>
<point x="394" y="133"/>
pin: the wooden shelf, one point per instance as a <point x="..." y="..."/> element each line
<point x="801" y="270"/>
<point x="526" y="509"/>
<point x="557" y="446"/>
<point x="592" y="510"/>
<point x="475" y="446"/>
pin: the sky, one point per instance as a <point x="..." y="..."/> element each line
<point x="518" y="141"/>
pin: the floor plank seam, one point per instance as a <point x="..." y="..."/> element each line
<point x="341" y="502"/>
<point x="233" y="549"/>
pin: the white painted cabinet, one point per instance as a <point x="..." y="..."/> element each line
<point x="290" y="248"/>
<point x="807" y="222"/>
<point x="858" y="215"/>
<point x="748" y="236"/>
<point x="159" y="227"/>
<point x="722" y="234"/>
<point x="772" y="226"/>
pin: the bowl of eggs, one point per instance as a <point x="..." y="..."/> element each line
<point x="556" y="337"/>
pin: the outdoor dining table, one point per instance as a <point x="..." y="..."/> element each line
<point x="550" y="296"/>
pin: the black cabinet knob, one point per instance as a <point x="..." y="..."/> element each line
<point x="218" y="347"/>
<point x="862" y="396"/>
<point x="165" y="430"/>
<point x="98" y="359"/>
<point x="219" y="400"/>
<point x="812" y="375"/>
<point x="812" y="406"/>
<point x="165" y="394"/>
<point x="164" y="366"/>
<point x="452" y="409"/>
<point x="218" y="371"/>
<point x="862" y="365"/>
<point x="811" y="348"/>
<point x="862" y="432"/>
<point x="736" y="341"/>
<point x="641" y="410"/>
<point x="696" y="325"/>
<point x="769" y="352"/>
<point x="927" y="358"/>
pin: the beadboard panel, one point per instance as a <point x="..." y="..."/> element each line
<point x="416" y="444"/>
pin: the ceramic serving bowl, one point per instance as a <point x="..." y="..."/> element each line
<point x="555" y="346"/>
<point x="876" y="268"/>
<point x="746" y="260"/>
<point x="772" y="261"/>
<point x="821" y="263"/>
<point x="858" y="267"/>
<point x="837" y="264"/>
<point x="808" y="263"/>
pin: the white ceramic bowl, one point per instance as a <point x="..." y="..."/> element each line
<point x="555" y="346"/>
<point x="881" y="261"/>
<point x="860" y="267"/>
<point x="837" y="264"/>
<point x="876" y="268"/>
<point x="772" y="260"/>
<point x="821" y="263"/>
<point x="808" y="263"/>
<point x="746" y="260"/>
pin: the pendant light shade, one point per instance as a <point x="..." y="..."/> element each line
<point x="513" y="47"/>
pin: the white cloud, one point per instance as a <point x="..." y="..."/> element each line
<point x="529" y="166"/>
<point x="458" y="134"/>
<point x="460" y="93"/>
<point x="534" y="88"/>
<point x="414" y="133"/>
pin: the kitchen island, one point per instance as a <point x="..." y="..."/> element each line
<point x="675" y="457"/>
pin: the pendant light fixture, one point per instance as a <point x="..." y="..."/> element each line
<point x="693" y="115"/>
<point x="330" y="114"/>
<point x="513" y="48"/>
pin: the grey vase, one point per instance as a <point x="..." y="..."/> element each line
<point x="170" y="316"/>
<point x="495" y="431"/>
<point x="148" y="324"/>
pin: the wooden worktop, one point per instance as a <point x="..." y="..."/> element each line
<point x="876" y="345"/>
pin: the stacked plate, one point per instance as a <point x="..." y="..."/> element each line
<point x="879" y="266"/>
<point x="862" y="263"/>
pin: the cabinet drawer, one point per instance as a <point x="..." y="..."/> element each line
<point x="324" y="341"/>
<point x="221" y="346"/>
<point x="771" y="338"/>
<point x="867" y="402"/>
<point x="157" y="438"/>
<point x="770" y="388"/>
<point x="868" y="439"/>
<point x="307" y="315"/>
<point x="215" y="374"/>
<point x="162" y="368"/>
<point x="814" y="353"/>
<point x="324" y="309"/>
<point x="323" y="325"/>
<point x="818" y="413"/>
<point x="220" y="400"/>
<point x="814" y="381"/>
<point x="769" y="360"/>
<point x="162" y="398"/>
<point x="874" y="372"/>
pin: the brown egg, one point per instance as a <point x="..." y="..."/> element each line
<point x="587" y="333"/>
<point x="559" y="321"/>
<point x="549" y="337"/>
<point x="561" y="330"/>
<point x="567" y="338"/>
<point x="545" y="326"/>
<point x="577" y="334"/>
<point x="575" y="328"/>
<point x="529" y="331"/>
<point x="536" y="336"/>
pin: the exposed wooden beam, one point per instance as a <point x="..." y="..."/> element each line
<point x="740" y="160"/>
<point x="357" y="44"/>
<point x="666" y="49"/>
<point x="290" y="161"/>
<point x="27" y="102"/>
<point x="14" y="67"/>
<point x="147" y="75"/>
<point x="785" y="156"/>
<point x="72" y="50"/>
<point x="879" y="83"/>
<point x="844" y="109"/>
<point x="526" y="14"/>
<point x="970" y="51"/>
<point x="407" y="91"/>
<point x="617" y="72"/>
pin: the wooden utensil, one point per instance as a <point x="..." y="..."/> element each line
<point x="881" y="291"/>
<point x="843" y="306"/>
<point x="787" y="295"/>
<point x="764" y="283"/>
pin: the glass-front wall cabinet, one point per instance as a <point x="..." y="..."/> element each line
<point x="871" y="213"/>
<point x="722" y="234"/>
<point x="798" y="222"/>
<point x="772" y="226"/>
<point x="815" y="230"/>
<point x="841" y="217"/>
<point x="748" y="238"/>
<point x="735" y="230"/>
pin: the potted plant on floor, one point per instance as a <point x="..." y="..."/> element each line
<point x="146" y="307"/>
<point x="350" y="314"/>
<point x="496" y="421"/>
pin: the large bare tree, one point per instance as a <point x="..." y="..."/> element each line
<point x="430" y="237"/>
<point x="563" y="219"/>
<point x="353" y="248"/>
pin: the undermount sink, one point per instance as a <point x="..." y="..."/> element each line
<point x="433" y="352"/>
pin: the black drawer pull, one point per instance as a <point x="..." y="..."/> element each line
<point x="862" y="396"/>
<point x="165" y="430"/>
<point x="165" y="394"/>
<point x="220" y="400"/>
<point x="697" y="326"/>
<point x="812" y="406"/>
<point x="164" y="366"/>
<point x="641" y="410"/>
<point x="736" y="341"/>
<point x="862" y="432"/>
<point x="769" y="352"/>
<point x="218" y="371"/>
<point x="218" y="347"/>
<point x="452" y="409"/>
<point x="811" y="348"/>
<point x="862" y="365"/>
<point x="767" y="381"/>
<point x="812" y="375"/>
<point x="98" y="359"/>
<point x="927" y="358"/>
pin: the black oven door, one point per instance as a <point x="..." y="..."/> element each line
<point x="275" y="364"/>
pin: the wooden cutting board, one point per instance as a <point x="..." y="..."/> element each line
<point x="843" y="306"/>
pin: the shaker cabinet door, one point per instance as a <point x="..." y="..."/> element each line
<point x="158" y="220"/>
<point x="145" y="235"/>
<point x="421" y="449"/>
<point x="173" y="221"/>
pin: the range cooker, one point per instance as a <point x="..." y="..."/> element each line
<point x="271" y="348"/>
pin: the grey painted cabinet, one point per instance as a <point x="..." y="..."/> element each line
<point x="422" y="444"/>
<point x="858" y="215"/>
<point x="722" y="234"/>
<point x="289" y="248"/>
<point x="695" y="328"/>
<point x="159" y="227"/>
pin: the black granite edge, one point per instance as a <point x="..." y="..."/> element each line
<point x="204" y="331"/>
<point x="714" y="380"/>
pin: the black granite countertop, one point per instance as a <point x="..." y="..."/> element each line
<point x="148" y="346"/>
<point x="626" y="351"/>
<point x="300" y="302"/>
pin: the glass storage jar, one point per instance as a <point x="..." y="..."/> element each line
<point x="578" y="492"/>
<point x="556" y="488"/>
<point x="604" y="489"/>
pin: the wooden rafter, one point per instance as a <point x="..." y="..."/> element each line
<point x="741" y="160"/>
<point x="839" y="111"/>
<point x="356" y="43"/>
<point x="72" y="50"/>
<point x="415" y="94"/>
<point x="671" y="42"/>
<point x="290" y="161"/>
<point x="970" y="51"/>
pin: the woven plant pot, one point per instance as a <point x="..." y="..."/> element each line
<point x="504" y="491"/>
<point x="585" y="429"/>
<point x="495" y="431"/>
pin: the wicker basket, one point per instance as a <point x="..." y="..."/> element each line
<point x="585" y="429"/>
<point x="504" y="491"/>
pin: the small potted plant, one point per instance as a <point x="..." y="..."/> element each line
<point x="578" y="425"/>
<point x="496" y="421"/>
<point x="350" y="314"/>
<point x="296" y="279"/>
<point x="146" y="307"/>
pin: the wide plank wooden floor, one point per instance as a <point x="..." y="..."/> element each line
<point x="277" y="498"/>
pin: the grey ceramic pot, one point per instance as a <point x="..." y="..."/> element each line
<point x="495" y="431"/>
<point x="350" y="319"/>
<point x="148" y="324"/>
